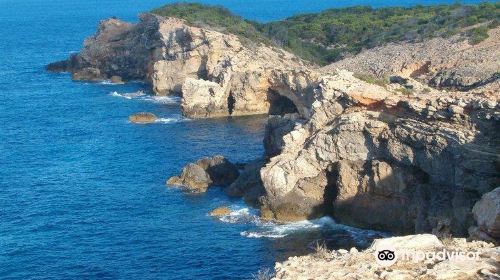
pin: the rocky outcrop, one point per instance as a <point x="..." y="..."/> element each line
<point x="479" y="261"/>
<point x="143" y="118"/>
<point x="249" y="184"/>
<point x="216" y="73"/>
<point x="416" y="164"/>
<point x="198" y="176"/>
<point x="220" y="211"/>
<point x="444" y="63"/>
<point x="487" y="214"/>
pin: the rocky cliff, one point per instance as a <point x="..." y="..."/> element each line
<point x="216" y="73"/>
<point x="404" y="157"/>
<point x="415" y="163"/>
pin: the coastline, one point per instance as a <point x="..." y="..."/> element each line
<point x="337" y="143"/>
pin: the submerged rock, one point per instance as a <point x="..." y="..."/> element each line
<point x="220" y="211"/>
<point x="143" y="118"/>
<point x="206" y="172"/>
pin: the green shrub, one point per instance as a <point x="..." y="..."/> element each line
<point x="477" y="35"/>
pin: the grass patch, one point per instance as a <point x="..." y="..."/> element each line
<point x="477" y="35"/>
<point x="371" y="79"/>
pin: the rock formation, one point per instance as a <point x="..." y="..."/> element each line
<point x="216" y="73"/>
<point x="198" y="176"/>
<point x="249" y="184"/>
<point x="415" y="163"/>
<point x="220" y="211"/>
<point x="352" y="264"/>
<point x="403" y="157"/>
<point x="143" y="118"/>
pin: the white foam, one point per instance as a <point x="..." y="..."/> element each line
<point x="163" y="99"/>
<point x="130" y="95"/>
<point x="240" y="215"/>
<point x="173" y="119"/>
<point x="272" y="230"/>
<point x="141" y="95"/>
<point x="266" y="229"/>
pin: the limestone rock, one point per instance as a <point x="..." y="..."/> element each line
<point x="143" y="118"/>
<point x="487" y="213"/>
<point x="116" y="80"/>
<point x="249" y="184"/>
<point x="193" y="177"/>
<point x="216" y="73"/>
<point x="410" y="242"/>
<point x="341" y="264"/>
<point x="365" y="149"/>
<point x="206" y="172"/>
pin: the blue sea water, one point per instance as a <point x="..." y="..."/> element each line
<point x="82" y="193"/>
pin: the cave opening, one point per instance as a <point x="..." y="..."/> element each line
<point x="279" y="104"/>
<point x="231" y="101"/>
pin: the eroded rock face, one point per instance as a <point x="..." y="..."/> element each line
<point x="216" y="74"/>
<point x="354" y="264"/>
<point x="198" y="176"/>
<point x="414" y="164"/>
<point x="249" y="184"/>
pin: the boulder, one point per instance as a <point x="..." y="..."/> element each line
<point x="409" y="242"/>
<point x="220" y="170"/>
<point x="487" y="213"/>
<point x="206" y="172"/>
<point x="116" y="79"/>
<point x="193" y="177"/>
<point x="143" y="118"/>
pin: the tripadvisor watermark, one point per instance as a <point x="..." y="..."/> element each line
<point x="389" y="256"/>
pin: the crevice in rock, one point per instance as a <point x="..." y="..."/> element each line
<point x="230" y="103"/>
<point x="331" y="190"/>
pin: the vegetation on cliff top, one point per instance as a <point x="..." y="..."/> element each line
<point x="330" y="35"/>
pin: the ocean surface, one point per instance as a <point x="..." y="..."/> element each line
<point x="82" y="193"/>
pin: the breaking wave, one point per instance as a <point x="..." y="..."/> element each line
<point x="265" y="229"/>
<point x="141" y="95"/>
<point x="172" y="119"/>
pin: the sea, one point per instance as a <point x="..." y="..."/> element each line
<point x="82" y="190"/>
